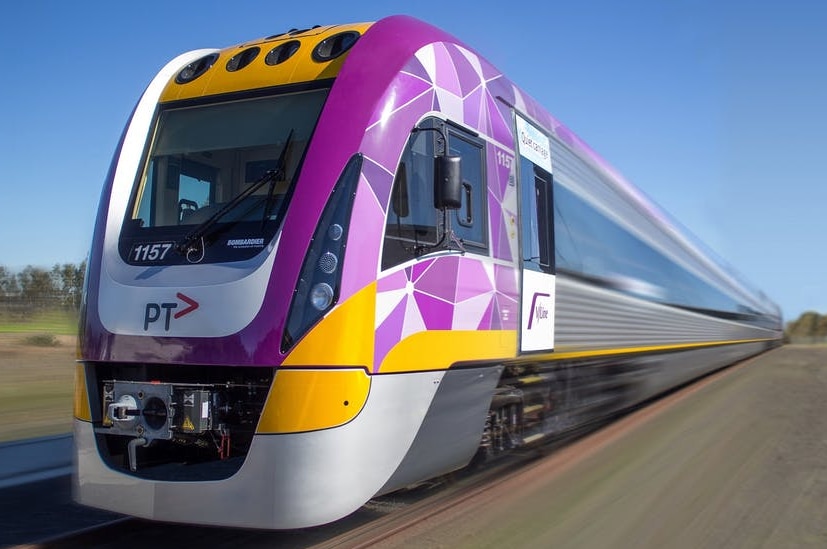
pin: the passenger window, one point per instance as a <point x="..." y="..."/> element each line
<point x="414" y="226"/>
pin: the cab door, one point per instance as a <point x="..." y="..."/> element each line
<point x="537" y="287"/>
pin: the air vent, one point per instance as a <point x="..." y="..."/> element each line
<point x="334" y="46"/>
<point x="242" y="59"/>
<point x="293" y="32"/>
<point x="282" y="52"/>
<point x="196" y="69"/>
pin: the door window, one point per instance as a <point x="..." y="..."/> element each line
<point x="538" y="238"/>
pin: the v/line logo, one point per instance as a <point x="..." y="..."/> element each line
<point x="154" y="311"/>
<point x="538" y="311"/>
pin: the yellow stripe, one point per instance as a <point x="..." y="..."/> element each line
<point x="564" y="355"/>
<point x="81" y="407"/>
<point x="343" y="338"/>
<point x="309" y="400"/>
<point x="440" y="349"/>
<point x="531" y="379"/>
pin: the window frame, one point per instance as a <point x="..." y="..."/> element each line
<point x="477" y="246"/>
<point x="133" y="232"/>
<point x="440" y="133"/>
<point x="537" y="215"/>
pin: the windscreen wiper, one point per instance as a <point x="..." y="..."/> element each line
<point x="280" y="167"/>
<point x="270" y="176"/>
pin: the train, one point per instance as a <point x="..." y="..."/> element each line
<point x="339" y="261"/>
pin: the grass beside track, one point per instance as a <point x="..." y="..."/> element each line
<point x="58" y="323"/>
<point x="37" y="368"/>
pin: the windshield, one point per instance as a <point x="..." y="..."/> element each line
<point x="201" y="159"/>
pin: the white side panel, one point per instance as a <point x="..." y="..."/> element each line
<point x="537" y="321"/>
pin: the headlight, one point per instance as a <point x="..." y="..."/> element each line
<point x="335" y="232"/>
<point x="318" y="285"/>
<point x="321" y="296"/>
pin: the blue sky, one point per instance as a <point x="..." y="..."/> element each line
<point x="716" y="110"/>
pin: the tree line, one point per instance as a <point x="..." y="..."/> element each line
<point x="810" y="327"/>
<point x="38" y="288"/>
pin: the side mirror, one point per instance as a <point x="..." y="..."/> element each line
<point x="447" y="183"/>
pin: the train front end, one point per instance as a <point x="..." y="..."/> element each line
<point x="219" y="245"/>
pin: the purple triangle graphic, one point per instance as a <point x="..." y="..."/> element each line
<point x="395" y="281"/>
<point x="416" y="68"/>
<point x="441" y="279"/>
<point x="405" y="87"/>
<point x="468" y="77"/>
<point x="436" y="314"/>
<point x="417" y="270"/>
<point x="446" y="76"/>
<point x="472" y="109"/>
<point x="500" y="129"/>
<point x="389" y="333"/>
<point x="474" y="280"/>
<point x="485" y="321"/>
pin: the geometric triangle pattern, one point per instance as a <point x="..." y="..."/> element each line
<point x="445" y="293"/>
<point x="450" y="292"/>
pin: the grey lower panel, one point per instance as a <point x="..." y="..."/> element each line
<point x="592" y="317"/>
<point x="663" y="372"/>
<point x="450" y="434"/>
<point x="287" y="481"/>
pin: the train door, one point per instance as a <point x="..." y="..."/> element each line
<point x="537" y="287"/>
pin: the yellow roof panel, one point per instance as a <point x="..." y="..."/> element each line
<point x="300" y="67"/>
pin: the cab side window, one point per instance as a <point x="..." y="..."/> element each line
<point x="414" y="226"/>
<point x="469" y="221"/>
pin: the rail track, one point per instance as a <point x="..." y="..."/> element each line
<point x="378" y="520"/>
<point x="32" y="460"/>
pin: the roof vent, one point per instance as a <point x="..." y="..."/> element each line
<point x="282" y="52"/>
<point x="334" y="46"/>
<point x="242" y="59"/>
<point x="196" y="69"/>
<point x="292" y="32"/>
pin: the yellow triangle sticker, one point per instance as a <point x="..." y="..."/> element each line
<point x="188" y="426"/>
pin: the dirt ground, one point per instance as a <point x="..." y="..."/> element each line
<point x="741" y="462"/>
<point x="36" y="385"/>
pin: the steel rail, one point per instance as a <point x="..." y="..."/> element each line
<point x="35" y="459"/>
